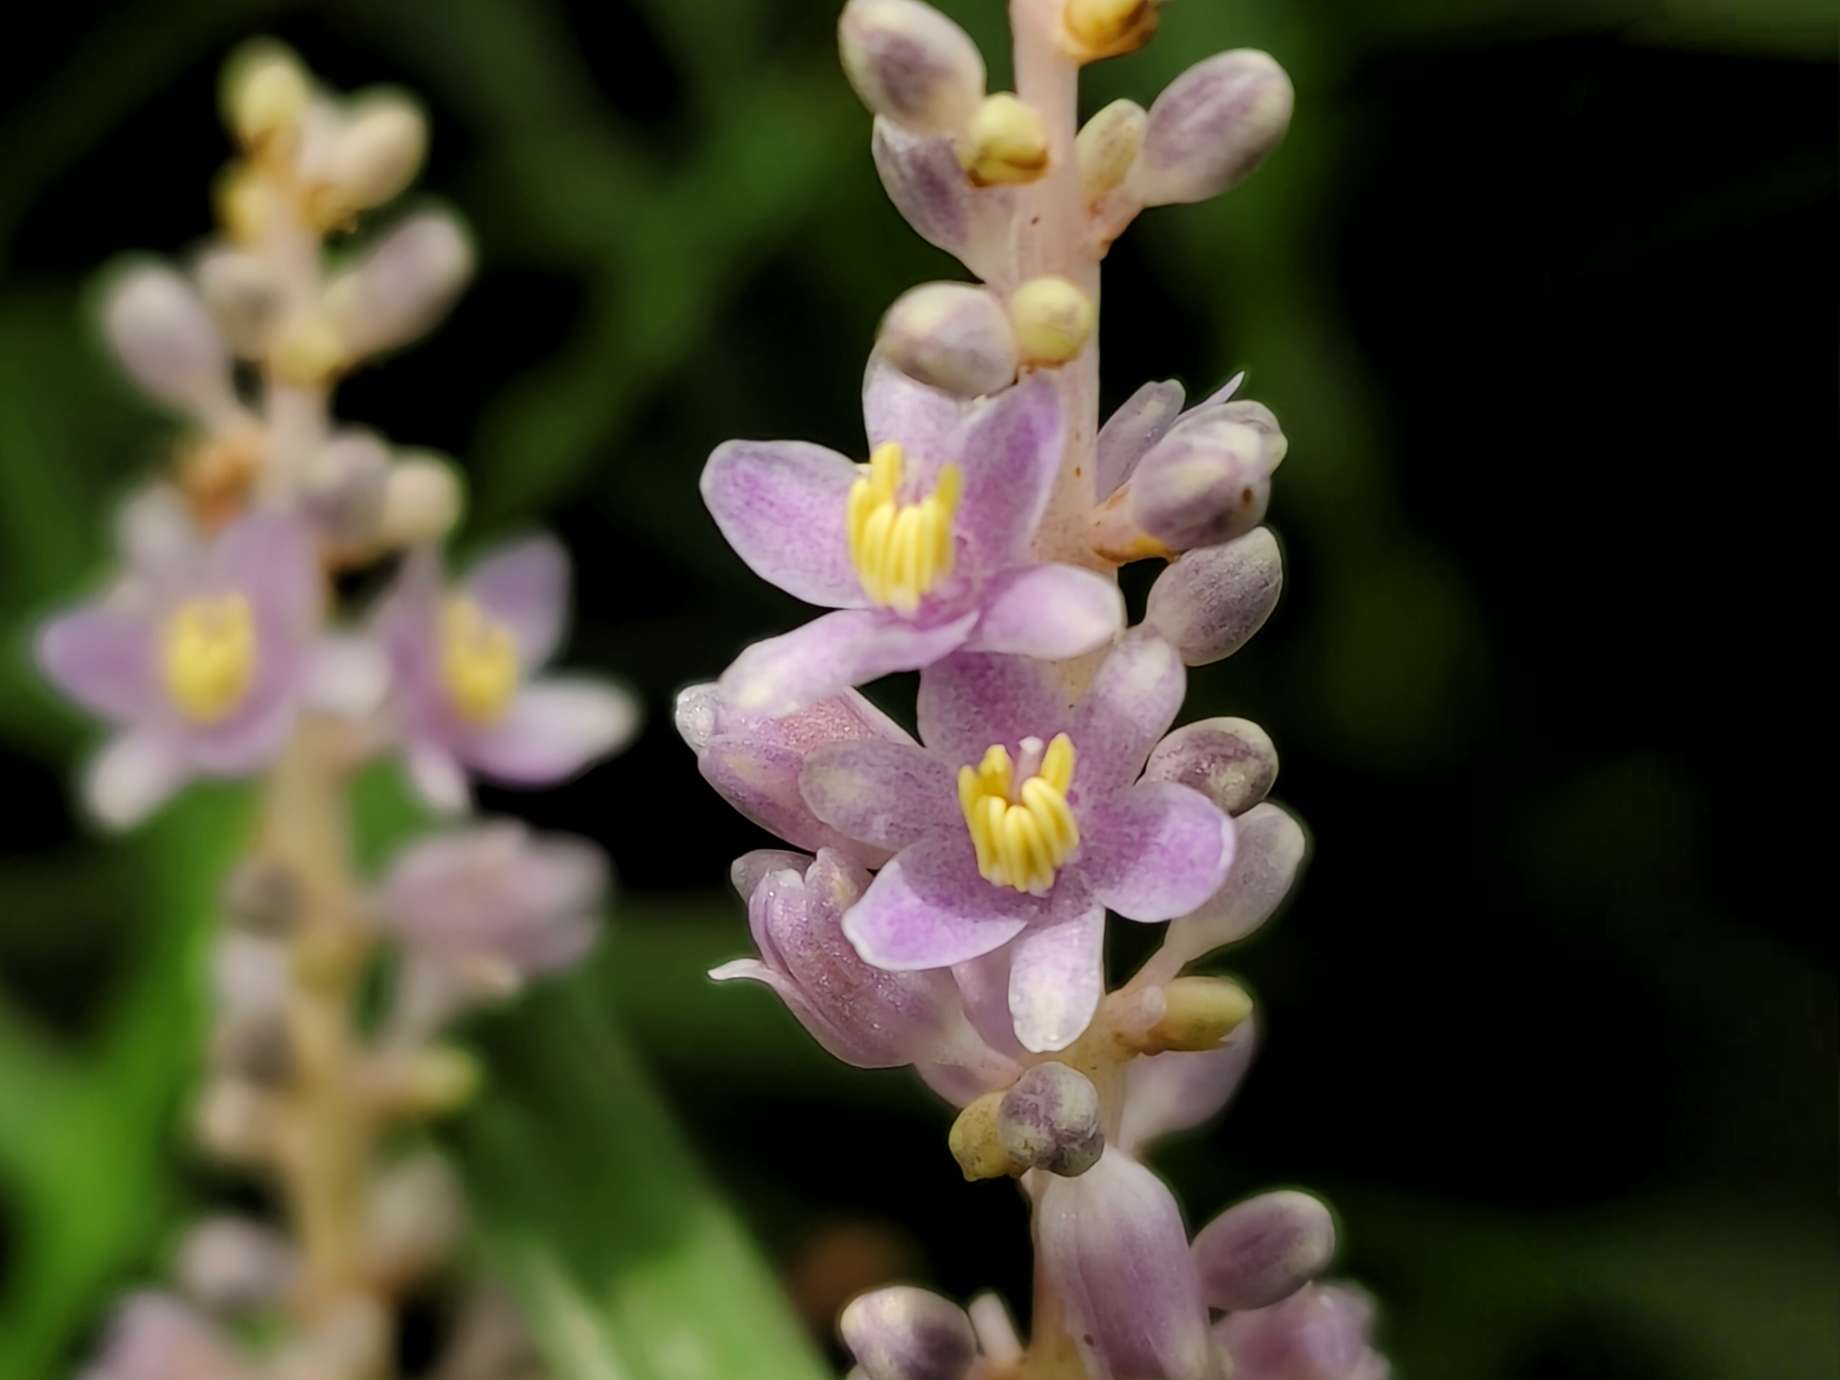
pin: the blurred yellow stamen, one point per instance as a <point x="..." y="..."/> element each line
<point x="900" y="550"/>
<point x="1024" y="836"/>
<point x="209" y="656"/>
<point x="479" y="662"/>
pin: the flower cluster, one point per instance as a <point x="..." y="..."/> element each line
<point x="951" y="912"/>
<point x="220" y="649"/>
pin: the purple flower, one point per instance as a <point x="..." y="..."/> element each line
<point x="464" y="662"/>
<point x="753" y="762"/>
<point x="923" y="552"/>
<point x="863" y="1015"/>
<point x="1321" y="1332"/>
<point x="156" y="1337"/>
<point x="1023" y="819"/>
<point x="199" y="658"/>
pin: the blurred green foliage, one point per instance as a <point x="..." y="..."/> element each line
<point x="682" y="240"/>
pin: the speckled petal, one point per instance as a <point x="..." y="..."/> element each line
<point x="1130" y="705"/>
<point x="1172" y="1092"/>
<point x="884" y="794"/>
<point x="1010" y="452"/>
<point x="924" y="420"/>
<point x="782" y="504"/>
<point x="553" y="729"/>
<point x="829" y="654"/>
<point x="973" y="699"/>
<point x="525" y="586"/>
<point x="929" y="909"/>
<point x="1156" y="851"/>
<point x="1129" y="432"/>
<point x="761" y="780"/>
<point x="103" y="658"/>
<point x="1053" y="612"/>
<point x="1056" y="977"/>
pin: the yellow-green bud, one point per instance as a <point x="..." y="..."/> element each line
<point x="977" y="1143"/>
<point x="439" y="1080"/>
<point x="1106" y="28"/>
<point x="376" y="155"/>
<point x="1005" y="142"/>
<point x="1052" y="320"/>
<point x="1198" y="1013"/>
<point x="422" y="499"/>
<point x="1107" y="146"/>
<point x="308" y="351"/>
<point x="266" y="91"/>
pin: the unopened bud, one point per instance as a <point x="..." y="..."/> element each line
<point x="1209" y="480"/>
<point x="1198" y="1013"/>
<point x="421" y="501"/>
<point x="1106" y="28"/>
<point x="976" y="1142"/>
<point x="343" y="483"/>
<point x="308" y="351"/>
<point x="1265" y="1249"/>
<point x="232" y="1265"/>
<point x="165" y="340"/>
<point x="240" y="290"/>
<point x="235" y="1121"/>
<point x="415" y="1217"/>
<point x="904" y="1333"/>
<point x="1230" y="761"/>
<point x="951" y="335"/>
<point x="909" y="62"/>
<point x="1269" y="848"/>
<point x="1005" y="142"/>
<point x="1211" y="127"/>
<point x="1050" y="1120"/>
<point x="353" y="1342"/>
<point x="373" y="157"/>
<point x="431" y="1082"/>
<point x="266" y="91"/>
<point x="253" y="1049"/>
<point x="1052" y="318"/>
<point x="246" y="203"/>
<point x="924" y="180"/>
<point x="403" y="285"/>
<point x="1107" y="146"/>
<point x="263" y="898"/>
<point x="1210" y="602"/>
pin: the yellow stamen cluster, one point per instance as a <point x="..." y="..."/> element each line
<point x="208" y="656"/>
<point x="479" y="662"/>
<point x="1022" y="837"/>
<point x="900" y="550"/>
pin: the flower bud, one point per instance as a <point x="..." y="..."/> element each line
<point x="1265" y="1249"/>
<point x="246" y="203"/>
<point x="1209" y="479"/>
<point x="253" y="1049"/>
<point x="308" y="350"/>
<point x="157" y="1337"/>
<point x="233" y="1265"/>
<point x="1230" y="761"/>
<point x="1052" y="319"/>
<point x="263" y="898"/>
<point x="165" y="340"/>
<point x="266" y="91"/>
<point x="910" y="63"/>
<point x="1322" y="1330"/>
<point x="977" y="1143"/>
<point x="375" y="154"/>
<point x="1050" y="1120"/>
<point x="1210" y="602"/>
<point x="1107" y="28"/>
<point x="353" y="1342"/>
<point x="422" y="500"/>
<point x="402" y="286"/>
<point x="240" y="290"/>
<point x="904" y="1333"/>
<point x="1197" y="1014"/>
<point x="1140" y="422"/>
<point x="235" y="1121"/>
<point x="342" y="486"/>
<point x="922" y="177"/>
<point x="1107" y="146"/>
<point x="1006" y="142"/>
<point x="414" y="1218"/>
<point x="952" y="336"/>
<point x="1270" y="848"/>
<point x="1211" y="127"/>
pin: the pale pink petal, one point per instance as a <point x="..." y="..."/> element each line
<point x="1053" y="612"/>
<point x="830" y="654"/>
<point x="928" y="908"/>
<point x="1156" y="851"/>
<point x="884" y="794"/>
<point x="970" y="701"/>
<point x="132" y="776"/>
<point x="1056" y="977"/>
<point x="782" y="505"/>
<point x="525" y="586"/>
<point x="553" y="729"/>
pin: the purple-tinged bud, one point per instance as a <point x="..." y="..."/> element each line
<point x="1050" y="1120"/>
<point x="1210" y="602"/>
<point x="156" y="1337"/>
<point x="953" y="336"/>
<point x="1211" y="128"/>
<point x="402" y="286"/>
<point x="1264" y="1249"/>
<point x="1230" y="761"/>
<point x="911" y="64"/>
<point x="343" y="484"/>
<point x="1113" y="1248"/>
<point x="234" y="1265"/>
<point x="243" y="295"/>
<point x="165" y="340"/>
<point x="263" y="897"/>
<point x="1142" y="421"/>
<point x="904" y="1333"/>
<point x="1209" y="479"/>
<point x="922" y="177"/>
<point x="1270" y="848"/>
<point x="1321" y="1332"/>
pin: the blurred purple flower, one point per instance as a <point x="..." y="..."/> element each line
<point x="1321" y="1332"/>
<point x="156" y="1337"/>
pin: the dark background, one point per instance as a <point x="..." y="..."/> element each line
<point x="1543" y="295"/>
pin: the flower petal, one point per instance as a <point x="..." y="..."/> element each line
<point x="270" y="557"/>
<point x="1010" y="451"/>
<point x="904" y="1333"/>
<point x="970" y="700"/>
<point x="1157" y="851"/>
<point x="1230" y="761"/>
<point x="750" y="869"/>
<point x="1130" y="705"/>
<point x="761" y="780"/>
<point x="438" y="777"/>
<point x="923" y="179"/>
<point x="348" y="675"/>
<point x="1128" y="433"/>
<point x="1171" y="1092"/>
<point x="929" y="909"/>
<point x="1269" y="848"/>
<point x="553" y="729"/>
<point x="781" y="505"/>
<point x="829" y="654"/>
<point x="1053" y="612"/>
<point x="101" y="657"/>
<point x="922" y="419"/>
<point x="525" y="586"/>
<point x="1112" y="1245"/>
<point x="1056" y="977"/>
<point x="884" y="794"/>
<point x="133" y="776"/>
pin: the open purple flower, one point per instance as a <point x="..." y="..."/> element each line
<point x="1023" y="819"/>
<point x="464" y="663"/>
<point x="923" y="552"/>
<point x="199" y="657"/>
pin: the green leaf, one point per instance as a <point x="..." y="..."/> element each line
<point x="625" y="1259"/>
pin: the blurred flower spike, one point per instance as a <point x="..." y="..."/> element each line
<point x="221" y="648"/>
<point x="953" y="918"/>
